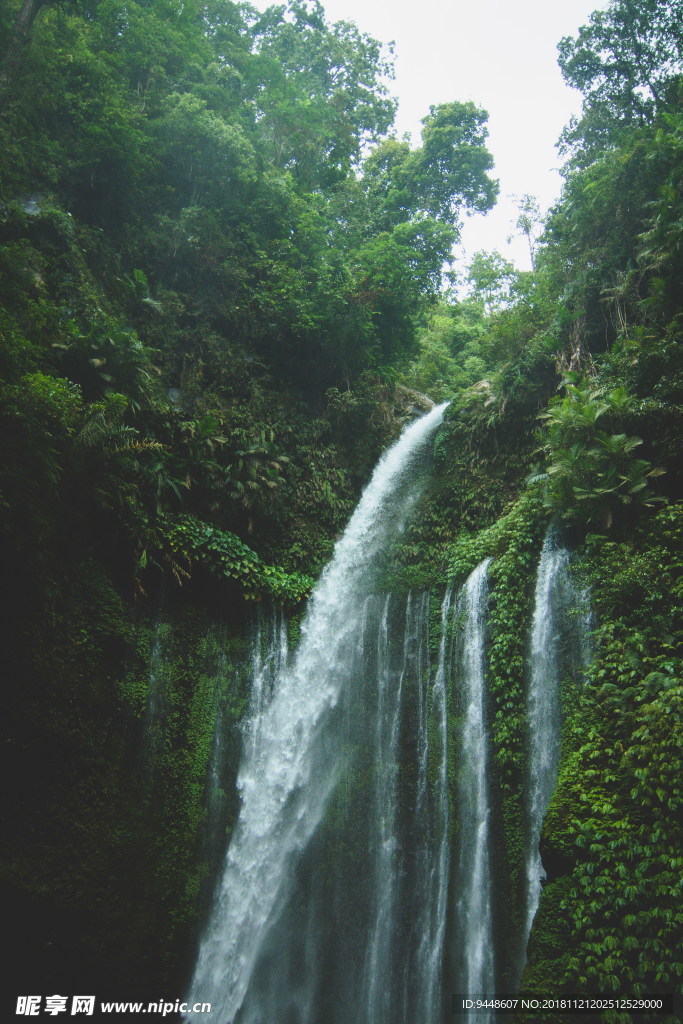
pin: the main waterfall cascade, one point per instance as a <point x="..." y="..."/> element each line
<point x="313" y="742"/>
<point x="347" y="887"/>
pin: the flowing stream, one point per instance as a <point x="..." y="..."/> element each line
<point x="331" y="727"/>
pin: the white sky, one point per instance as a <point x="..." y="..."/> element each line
<point x="502" y="54"/>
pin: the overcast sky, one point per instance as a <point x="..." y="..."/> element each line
<point x="502" y="54"/>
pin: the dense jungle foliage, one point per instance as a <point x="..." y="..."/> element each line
<point x="225" y="284"/>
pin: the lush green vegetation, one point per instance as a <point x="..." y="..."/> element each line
<point x="613" y="835"/>
<point x="222" y="286"/>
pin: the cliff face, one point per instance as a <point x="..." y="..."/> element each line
<point x="109" y="741"/>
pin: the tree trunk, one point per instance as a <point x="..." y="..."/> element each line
<point x="18" y="39"/>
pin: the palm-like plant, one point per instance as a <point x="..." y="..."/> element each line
<point x="256" y="472"/>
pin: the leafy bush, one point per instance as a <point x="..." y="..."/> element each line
<point x="225" y="554"/>
<point x="591" y="470"/>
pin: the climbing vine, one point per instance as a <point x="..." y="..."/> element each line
<point x="225" y="554"/>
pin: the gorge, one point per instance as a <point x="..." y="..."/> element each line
<point x="342" y="576"/>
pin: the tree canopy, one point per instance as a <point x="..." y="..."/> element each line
<point x="626" y="62"/>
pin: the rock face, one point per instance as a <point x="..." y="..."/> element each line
<point x="410" y="403"/>
<point x="400" y="405"/>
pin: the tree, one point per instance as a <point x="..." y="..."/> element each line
<point x="624" y="61"/>
<point x="450" y="168"/>
<point x="592" y="471"/>
<point x="529" y="220"/>
<point x="319" y="91"/>
<point x="440" y="178"/>
<point x="491" y="277"/>
<point x="18" y="38"/>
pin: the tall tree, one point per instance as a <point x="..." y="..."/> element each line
<point x="320" y="91"/>
<point x="446" y="174"/>
<point x="529" y="222"/>
<point x="18" y="38"/>
<point x="625" y="62"/>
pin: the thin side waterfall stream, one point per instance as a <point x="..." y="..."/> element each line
<point x="432" y="821"/>
<point x="313" y="738"/>
<point x="558" y="645"/>
<point x="543" y="710"/>
<point x="474" y="922"/>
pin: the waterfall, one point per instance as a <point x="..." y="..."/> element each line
<point x="268" y="661"/>
<point x="377" y="996"/>
<point x="268" y="656"/>
<point x="432" y="824"/>
<point x="408" y="827"/>
<point x="558" y="642"/>
<point x="474" y="917"/>
<point x="216" y="782"/>
<point x="352" y="940"/>
<point x="328" y="734"/>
